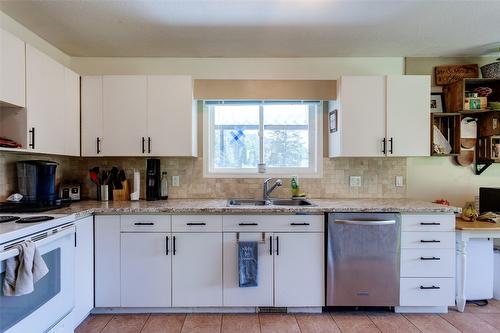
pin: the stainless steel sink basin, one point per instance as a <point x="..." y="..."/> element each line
<point x="246" y="202"/>
<point x="291" y="202"/>
<point x="275" y="202"/>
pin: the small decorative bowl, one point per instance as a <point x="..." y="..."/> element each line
<point x="483" y="91"/>
<point x="494" y="105"/>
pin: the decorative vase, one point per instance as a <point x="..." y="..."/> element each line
<point x="491" y="71"/>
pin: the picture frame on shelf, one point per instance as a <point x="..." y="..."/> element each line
<point x="333" y="121"/>
<point x="437" y="102"/>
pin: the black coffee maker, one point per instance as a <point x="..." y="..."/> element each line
<point x="153" y="179"/>
<point x="36" y="181"/>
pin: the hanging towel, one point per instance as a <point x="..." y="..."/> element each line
<point x="23" y="271"/>
<point x="248" y="264"/>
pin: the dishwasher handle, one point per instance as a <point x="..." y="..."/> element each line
<point x="366" y="222"/>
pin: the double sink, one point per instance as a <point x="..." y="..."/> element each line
<point x="270" y="202"/>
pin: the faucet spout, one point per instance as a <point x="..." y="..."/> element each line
<point x="267" y="190"/>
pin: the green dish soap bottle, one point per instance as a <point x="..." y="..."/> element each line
<point x="295" y="186"/>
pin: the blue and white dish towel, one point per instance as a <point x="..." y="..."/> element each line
<point x="248" y="263"/>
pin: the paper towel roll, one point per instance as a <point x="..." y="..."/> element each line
<point x="137" y="186"/>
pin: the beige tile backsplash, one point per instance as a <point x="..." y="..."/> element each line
<point x="378" y="177"/>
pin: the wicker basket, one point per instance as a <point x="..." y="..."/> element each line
<point x="491" y="71"/>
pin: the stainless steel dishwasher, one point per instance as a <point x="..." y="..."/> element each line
<point x="363" y="259"/>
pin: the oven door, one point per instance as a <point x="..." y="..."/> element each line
<point x="53" y="297"/>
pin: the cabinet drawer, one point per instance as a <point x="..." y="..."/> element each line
<point x="427" y="240"/>
<point x="145" y="223"/>
<point x="196" y="223"/>
<point x="427" y="263"/>
<point x="277" y="223"/>
<point x="435" y="222"/>
<point x="427" y="292"/>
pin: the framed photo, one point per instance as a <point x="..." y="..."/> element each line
<point x="437" y="102"/>
<point x="332" y="121"/>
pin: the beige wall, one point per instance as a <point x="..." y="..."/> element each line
<point x="243" y="68"/>
<point x="12" y="26"/>
<point x="440" y="177"/>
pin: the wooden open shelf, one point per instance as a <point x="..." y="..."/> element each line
<point x="454" y="94"/>
<point x="449" y="125"/>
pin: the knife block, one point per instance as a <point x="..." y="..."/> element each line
<point x="123" y="194"/>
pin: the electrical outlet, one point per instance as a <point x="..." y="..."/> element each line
<point x="399" y="181"/>
<point x="175" y="181"/>
<point x="355" y="181"/>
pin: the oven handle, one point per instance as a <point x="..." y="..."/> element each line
<point x="4" y="255"/>
<point x="365" y="222"/>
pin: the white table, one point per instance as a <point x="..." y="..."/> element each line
<point x="466" y="231"/>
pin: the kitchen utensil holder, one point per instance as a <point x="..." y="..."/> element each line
<point x="104" y="193"/>
<point x="122" y="194"/>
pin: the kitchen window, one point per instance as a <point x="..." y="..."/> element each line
<point x="262" y="138"/>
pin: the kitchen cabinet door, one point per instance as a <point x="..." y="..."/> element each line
<point x="196" y="269"/>
<point x="124" y="115"/>
<point x="12" y="70"/>
<point x="171" y="116"/>
<point x="84" y="270"/>
<point x="71" y="114"/>
<point x="45" y="102"/>
<point x="262" y="295"/>
<point x="146" y="267"/>
<point x="299" y="269"/>
<point x="360" y="117"/>
<point x="92" y="122"/>
<point x="107" y="261"/>
<point x="408" y="115"/>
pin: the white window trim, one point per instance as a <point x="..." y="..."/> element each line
<point x="312" y="172"/>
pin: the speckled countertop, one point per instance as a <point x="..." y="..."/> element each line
<point x="219" y="206"/>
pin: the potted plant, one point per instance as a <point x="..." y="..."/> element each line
<point x="491" y="71"/>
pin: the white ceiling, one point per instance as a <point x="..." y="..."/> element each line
<point x="263" y="28"/>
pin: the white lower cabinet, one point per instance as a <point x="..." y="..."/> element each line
<point x="107" y="261"/>
<point x="290" y="262"/>
<point x="262" y="295"/>
<point x="196" y="269"/>
<point x="84" y="269"/>
<point x="299" y="269"/>
<point x="192" y="261"/>
<point x="427" y="263"/>
<point x="146" y="271"/>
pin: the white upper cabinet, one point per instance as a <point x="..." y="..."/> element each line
<point x="360" y="117"/>
<point x="408" y="115"/>
<point x="124" y="115"/>
<point x="45" y="102"/>
<point x="138" y="115"/>
<point x="12" y="70"/>
<point x="71" y="113"/>
<point x="171" y="116"/>
<point x="381" y="116"/>
<point x="52" y="105"/>
<point x="92" y="125"/>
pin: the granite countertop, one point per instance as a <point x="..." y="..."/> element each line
<point x="219" y="206"/>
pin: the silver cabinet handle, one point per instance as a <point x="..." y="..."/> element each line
<point x="366" y="222"/>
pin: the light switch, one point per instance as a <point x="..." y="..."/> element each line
<point x="399" y="181"/>
<point x="175" y="181"/>
<point x="355" y="181"/>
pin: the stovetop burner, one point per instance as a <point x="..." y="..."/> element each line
<point x="34" y="219"/>
<point x="8" y="218"/>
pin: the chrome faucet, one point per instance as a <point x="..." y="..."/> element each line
<point x="267" y="191"/>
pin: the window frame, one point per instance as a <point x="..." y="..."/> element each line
<point x="315" y="143"/>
